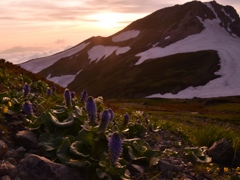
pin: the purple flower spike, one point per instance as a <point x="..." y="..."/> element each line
<point x="68" y="99"/>
<point x="53" y="89"/>
<point x="27" y="108"/>
<point x="91" y="110"/>
<point x="146" y="118"/>
<point x="126" y="119"/>
<point x="84" y="96"/>
<point x="105" y="118"/>
<point x="49" y="92"/>
<point x="111" y="113"/>
<point x="26" y="90"/>
<point x="115" y="148"/>
<point x="72" y="95"/>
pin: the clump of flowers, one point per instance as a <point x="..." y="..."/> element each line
<point x="105" y="118"/>
<point x="111" y="114"/>
<point x="126" y="119"/>
<point x="68" y="99"/>
<point x="115" y="148"/>
<point x="91" y="110"/>
<point x="26" y="90"/>
<point x="27" y="108"/>
<point x="84" y="96"/>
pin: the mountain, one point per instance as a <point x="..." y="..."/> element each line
<point x="184" y="51"/>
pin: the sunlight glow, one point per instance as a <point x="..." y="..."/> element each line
<point x="108" y="19"/>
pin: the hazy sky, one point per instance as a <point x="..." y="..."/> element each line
<point x="33" y="28"/>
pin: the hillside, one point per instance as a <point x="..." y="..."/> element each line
<point x="184" y="51"/>
<point x="65" y="137"/>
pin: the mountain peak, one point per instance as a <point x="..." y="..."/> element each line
<point x="191" y="45"/>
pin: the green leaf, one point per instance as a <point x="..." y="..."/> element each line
<point x="65" y="123"/>
<point x="79" y="149"/>
<point x="198" y="154"/>
<point x="50" y="142"/>
<point x="78" y="111"/>
<point x="86" y="137"/>
<point x="102" y="174"/>
<point x="81" y="163"/>
<point x="63" y="150"/>
<point x="137" y="130"/>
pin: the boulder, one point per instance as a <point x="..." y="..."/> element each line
<point x="39" y="168"/>
<point x="222" y="152"/>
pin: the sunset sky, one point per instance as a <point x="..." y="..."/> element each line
<point x="31" y="28"/>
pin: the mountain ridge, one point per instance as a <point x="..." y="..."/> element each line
<point x="95" y="63"/>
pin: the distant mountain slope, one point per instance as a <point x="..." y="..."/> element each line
<point x="194" y="46"/>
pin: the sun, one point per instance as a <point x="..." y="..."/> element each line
<point x="108" y="20"/>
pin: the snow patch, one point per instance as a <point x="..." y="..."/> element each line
<point x="38" y="65"/>
<point x="63" y="80"/>
<point x="125" y="36"/>
<point x="98" y="52"/>
<point x="227" y="15"/>
<point x="167" y="37"/>
<point x="209" y="5"/>
<point x="213" y="37"/>
<point x="122" y="50"/>
<point x="154" y="45"/>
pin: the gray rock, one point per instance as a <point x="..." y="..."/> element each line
<point x="221" y="152"/>
<point x="6" y="168"/>
<point x="27" y="138"/>
<point x="5" y="178"/>
<point x="17" y="154"/>
<point x="3" y="148"/>
<point x="39" y="168"/>
<point x="166" y="167"/>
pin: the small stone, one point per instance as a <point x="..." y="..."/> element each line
<point x="190" y="164"/>
<point x="167" y="167"/>
<point x="17" y="154"/>
<point x="5" y="178"/>
<point x="6" y="168"/>
<point x="27" y="138"/>
<point x="193" y="174"/>
<point x="3" y="148"/>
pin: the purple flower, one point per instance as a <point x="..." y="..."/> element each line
<point x="84" y="96"/>
<point x="72" y="95"/>
<point x="49" y="92"/>
<point x="146" y="118"/>
<point x="126" y="119"/>
<point x="26" y="90"/>
<point x="105" y="118"/>
<point x="27" y="108"/>
<point x="53" y="89"/>
<point x="111" y="113"/>
<point x="68" y="99"/>
<point x="115" y="148"/>
<point x="91" y="110"/>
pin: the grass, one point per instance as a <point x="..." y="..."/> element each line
<point x="200" y="124"/>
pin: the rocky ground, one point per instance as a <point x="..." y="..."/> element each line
<point x="20" y="158"/>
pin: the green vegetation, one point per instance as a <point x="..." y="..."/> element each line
<point x="73" y="135"/>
